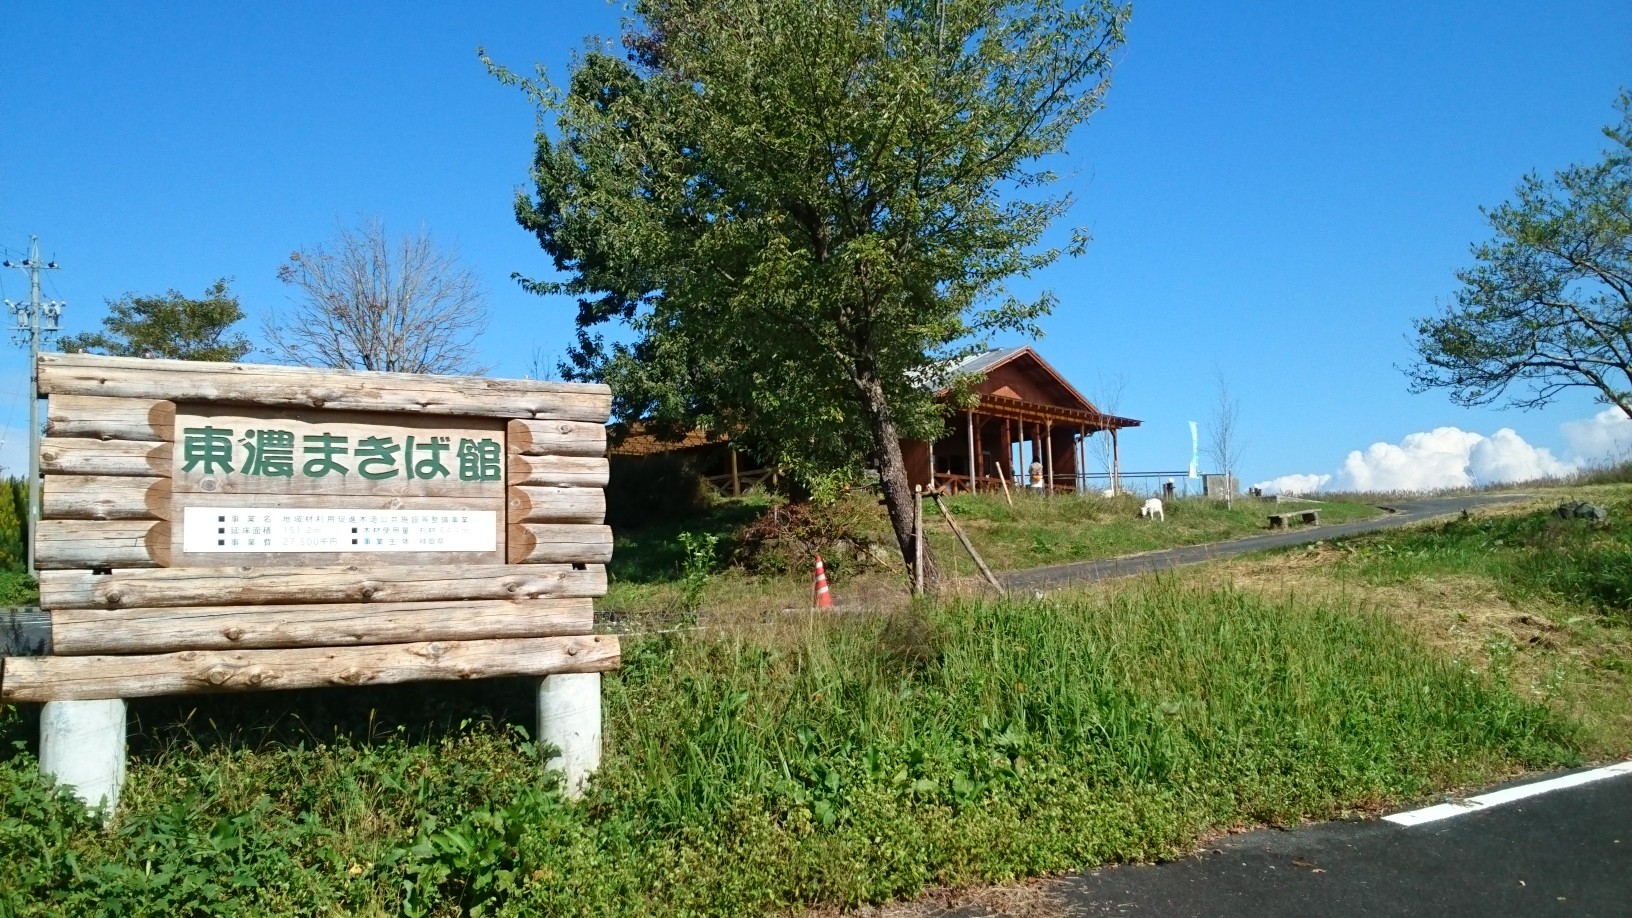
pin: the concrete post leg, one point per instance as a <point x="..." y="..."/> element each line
<point x="82" y="746"/>
<point x="569" y="718"/>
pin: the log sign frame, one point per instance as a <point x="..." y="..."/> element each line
<point x="214" y="527"/>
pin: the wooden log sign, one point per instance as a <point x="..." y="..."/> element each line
<point x="210" y="527"/>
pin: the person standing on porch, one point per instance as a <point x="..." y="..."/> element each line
<point x="1036" y="474"/>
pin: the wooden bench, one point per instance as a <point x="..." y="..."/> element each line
<point x="1308" y="517"/>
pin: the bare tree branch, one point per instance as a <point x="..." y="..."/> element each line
<point x="367" y="302"/>
<point x="1108" y="394"/>
<point x="1224" y="444"/>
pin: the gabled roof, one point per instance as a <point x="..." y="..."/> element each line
<point x="639" y="441"/>
<point x="980" y="363"/>
<point x="992" y="360"/>
<point x="1069" y="405"/>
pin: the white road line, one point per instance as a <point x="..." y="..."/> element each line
<point x="1507" y="795"/>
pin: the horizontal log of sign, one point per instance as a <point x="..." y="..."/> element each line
<point x="273" y="453"/>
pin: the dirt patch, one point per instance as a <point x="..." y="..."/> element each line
<point x="1462" y="614"/>
<point x="1038" y="898"/>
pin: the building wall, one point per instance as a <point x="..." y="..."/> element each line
<point x="1022" y="379"/>
<point x="1065" y="458"/>
<point x="915" y="456"/>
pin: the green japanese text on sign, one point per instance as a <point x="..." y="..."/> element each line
<point x="272" y="453"/>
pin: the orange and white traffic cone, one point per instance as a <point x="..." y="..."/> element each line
<point x="823" y="600"/>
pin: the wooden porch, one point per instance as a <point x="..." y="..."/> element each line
<point x="1030" y="429"/>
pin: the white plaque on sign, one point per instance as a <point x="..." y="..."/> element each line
<point x="250" y="529"/>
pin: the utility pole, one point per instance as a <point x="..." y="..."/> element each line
<point x="35" y="319"/>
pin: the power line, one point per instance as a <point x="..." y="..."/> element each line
<point x="55" y="293"/>
<point x="35" y="319"/>
<point x="11" y="414"/>
<point x="6" y="249"/>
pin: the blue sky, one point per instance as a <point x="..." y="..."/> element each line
<point x="1274" y="192"/>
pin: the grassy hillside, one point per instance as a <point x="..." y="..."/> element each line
<point x="647" y="567"/>
<point x="816" y="760"/>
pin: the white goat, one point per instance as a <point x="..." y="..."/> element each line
<point x="1153" y="510"/>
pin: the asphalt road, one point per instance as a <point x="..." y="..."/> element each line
<point x="1404" y="512"/>
<point x="1568" y="852"/>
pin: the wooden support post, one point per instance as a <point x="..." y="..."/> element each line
<point x="918" y="541"/>
<point x="1037" y="441"/>
<point x="1003" y="479"/>
<point x="736" y="480"/>
<point x="569" y="719"/>
<point x="1013" y="450"/>
<point x="1009" y="459"/>
<point x="1082" y="461"/>
<point x="932" y="463"/>
<point x="82" y="746"/>
<point x="974" y="458"/>
<point x="1048" y="458"/>
<point x="958" y="531"/>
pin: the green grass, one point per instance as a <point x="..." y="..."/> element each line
<point x="653" y="554"/>
<point x="1042" y="531"/>
<point x="645" y="572"/>
<point x="1530" y="556"/>
<point x="811" y="760"/>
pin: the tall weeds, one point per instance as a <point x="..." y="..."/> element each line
<point x="817" y="759"/>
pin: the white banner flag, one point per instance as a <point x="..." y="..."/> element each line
<point x="1195" y="450"/>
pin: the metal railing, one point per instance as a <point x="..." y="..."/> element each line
<point x="1144" y="484"/>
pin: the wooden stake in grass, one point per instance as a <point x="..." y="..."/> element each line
<point x="957" y="531"/>
<point x="1003" y="477"/>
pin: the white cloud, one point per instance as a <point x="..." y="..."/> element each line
<point x="1445" y="457"/>
<point x="1604" y="437"/>
<point x="1505" y="456"/>
<point x="1294" y="484"/>
<point x="1420" y="462"/>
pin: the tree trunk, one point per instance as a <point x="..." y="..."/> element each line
<point x="892" y="471"/>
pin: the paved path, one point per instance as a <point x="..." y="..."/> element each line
<point x="1411" y="510"/>
<point x="1568" y="852"/>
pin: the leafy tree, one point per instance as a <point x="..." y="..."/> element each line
<point x="802" y="208"/>
<point x="369" y="302"/>
<point x="13" y="528"/>
<point x="172" y="326"/>
<point x="1549" y="303"/>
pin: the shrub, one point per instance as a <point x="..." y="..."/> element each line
<point x="654" y="489"/>
<point x="785" y="538"/>
<point x="13" y="525"/>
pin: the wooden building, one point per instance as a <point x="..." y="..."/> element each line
<point x="716" y="459"/>
<point x="1026" y="412"/>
